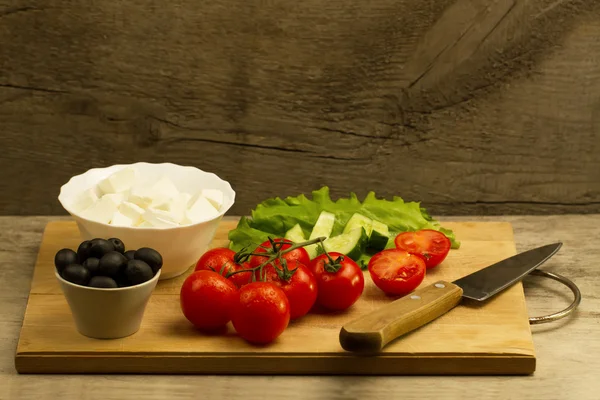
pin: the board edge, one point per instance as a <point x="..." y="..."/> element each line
<point x="272" y="365"/>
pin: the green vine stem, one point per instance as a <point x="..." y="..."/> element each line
<point x="331" y="265"/>
<point x="278" y="253"/>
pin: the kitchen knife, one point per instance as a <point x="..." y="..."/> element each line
<point x="373" y="331"/>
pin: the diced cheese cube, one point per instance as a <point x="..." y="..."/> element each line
<point x="114" y="198"/>
<point x="179" y="205"/>
<point x="102" y="210"/>
<point x="131" y="211"/>
<point x="140" y="196"/>
<point x="164" y="188"/>
<point x="156" y="195"/>
<point x="175" y="208"/>
<point x="119" y="219"/>
<point x="161" y="202"/>
<point x="144" y="224"/>
<point x="159" y="218"/>
<point x="201" y="210"/>
<point x="84" y="200"/>
<point x="119" y="181"/>
<point x="215" y="196"/>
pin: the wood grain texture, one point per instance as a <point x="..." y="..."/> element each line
<point x="471" y="107"/>
<point x="465" y="341"/>
<point x="566" y="351"/>
<point x="370" y="332"/>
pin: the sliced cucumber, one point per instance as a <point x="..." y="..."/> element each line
<point x="323" y="227"/>
<point x="351" y="243"/>
<point x="358" y="220"/>
<point x="295" y="234"/>
<point x="379" y="236"/>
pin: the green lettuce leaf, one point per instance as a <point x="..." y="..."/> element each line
<point x="274" y="217"/>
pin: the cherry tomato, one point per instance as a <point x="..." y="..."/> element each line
<point x="261" y="313"/>
<point x="207" y="299"/>
<point x="396" y="272"/>
<point x="300" y="286"/>
<point x="433" y="246"/>
<point x="340" y="281"/>
<point x="299" y="254"/>
<point x="215" y="259"/>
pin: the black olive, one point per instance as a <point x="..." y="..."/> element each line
<point x="130" y="254"/>
<point x="111" y="264"/>
<point x="103" y="282"/>
<point x="118" y="245"/>
<point x="63" y="258"/>
<point x="92" y="265"/>
<point x="122" y="281"/>
<point x="76" y="274"/>
<point x="83" y="251"/>
<point x="138" y="271"/>
<point x="100" y="247"/>
<point x="150" y="257"/>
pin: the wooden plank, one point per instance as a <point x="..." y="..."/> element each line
<point x="471" y="107"/>
<point x="565" y="368"/>
<point x="466" y="341"/>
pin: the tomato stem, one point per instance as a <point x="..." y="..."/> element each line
<point x="241" y="255"/>
<point x="332" y="266"/>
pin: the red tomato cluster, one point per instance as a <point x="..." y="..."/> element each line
<point x="260" y="302"/>
<point x="260" y="299"/>
<point x="399" y="271"/>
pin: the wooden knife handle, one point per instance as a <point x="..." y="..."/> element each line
<point x="373" y="331"/>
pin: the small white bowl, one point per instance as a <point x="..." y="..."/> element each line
<point x="107" y="313"/>
<point x="179" y="246"/>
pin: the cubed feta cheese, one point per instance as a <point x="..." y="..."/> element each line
<point x="159" y="218"/>
<point x="119" y="181"/>
<point x="179" y="205"/>
<point x="164" y="188"/>
<point x="84" y="200"/>
<point x="119" y="219"/>
<point x="161" y="202"/>
<point x="201" y="210"/>
<point x="215" y="196"/>
<point x="140" y="195"/>
<point x="175" y="208"/>
<point x="115" y="198"/>
<point x="102" y="210"/>
<point x="131" y="211"/>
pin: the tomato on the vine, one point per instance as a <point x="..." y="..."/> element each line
<point x="396" y="272"/>
<point x="297" y="282"/>
<point x="207" y="299"/>
<point x="340" y="280"/>
<point x="431" y="245"/>
<point x="271" y="248"/>
<point x="261" y="313"/>
<point x="223" y="259"/>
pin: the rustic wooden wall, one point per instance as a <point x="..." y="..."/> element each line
<point x="468" y="105"/>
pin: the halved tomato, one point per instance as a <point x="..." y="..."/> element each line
<point x="433" y="246"/>
<point x="396" y="272"/>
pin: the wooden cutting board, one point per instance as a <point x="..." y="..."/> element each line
<point x="490" y="338"/>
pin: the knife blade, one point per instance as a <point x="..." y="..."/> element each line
<point x="373" y="331"/>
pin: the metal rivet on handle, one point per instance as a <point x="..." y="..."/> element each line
<point x="440" y="285"/>
<point x="415" y="297"/>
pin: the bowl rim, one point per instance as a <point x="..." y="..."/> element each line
<point x="120" y="289"/>
<point x="117" y="167"/>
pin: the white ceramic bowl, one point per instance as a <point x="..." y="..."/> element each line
<point x="107" y="313"/>
<point x="179" y="246"/>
